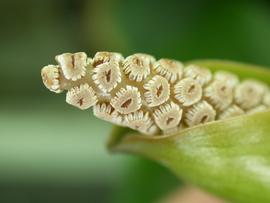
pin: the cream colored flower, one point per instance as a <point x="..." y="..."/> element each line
<point x="257" y="109"/>
<point x="249" y="94"/>
<point x="188" y="91"/>
<point x="173" y="98"/>
<point x="220" y="94"/>
<point x="127" y="100"/>
<point x="168" y="116"/>
<point x="73" y="65"/>
<point x="266" y="98"/>
<point x="106" y="112"/>
<point x="157" y="91"/>
<point x="106" y="76"/>
<point x="138" y="66"/>
<point x="51" y="78"/>
<point x="105" y="57"/>
<point x="200" y="74"/>
<point x="232" y="111"/>
<point x="142" y="122"/>
<point x="170" y="69"/>
<point x="200" y="113"/>
<point x="231" y="79"/>
<point x="82" y="96"/>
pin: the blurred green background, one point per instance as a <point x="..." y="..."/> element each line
<point x="51" y="152"/>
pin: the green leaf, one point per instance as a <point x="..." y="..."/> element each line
<point x="229" y="158"/>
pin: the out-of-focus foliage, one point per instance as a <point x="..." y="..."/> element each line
<point x="47" y="144"/>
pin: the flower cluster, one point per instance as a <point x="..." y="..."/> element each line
<point x="152" y="96"/>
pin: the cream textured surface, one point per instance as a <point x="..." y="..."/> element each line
<point x="149" y="95"/>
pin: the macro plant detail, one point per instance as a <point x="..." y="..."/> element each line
<point x="73" y="65"/>
<point x="150" y="95"/>
<point x="209" y="119"/>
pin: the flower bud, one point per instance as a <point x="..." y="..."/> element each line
<point x="249" y="93"/>
<point x="231" y="79"/>
<point x="257" y="109"/>
<point x="138" y="66"/>
<point x="82" y="97"/>
<point x="200" y="74"/>
<point x="106" y="112"/>
<point x="51" y="78"/>
<point x="73" y="65"/>
<point x="220" y="94"/>
<point x="170" y="69"/>
<point x="142" y="122"/>
<point x="232" y="111"/>
<point x="168" y="116"/>
<point x="106" y="76"/>
<point x="157" y="91"/>
<point x="105" y="57"/>
<point x="127" y="100"/>
<point x="200" y="113"/>
<point x="266" y="98"/>
<point x="188" y="91"/>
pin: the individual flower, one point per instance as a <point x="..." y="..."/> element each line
<point x="106" y="112"/>
<point x="168" y="116"/>
<point x="231" y="79"/>
<point x="200" y="113"/>
<point x="138" y="66"/>
<point x="172" y="70"/>
<point x="266" y="99"/>
<point x="231" y="111"/>
<point x="200" y="74"/>
<point x="105" y="57"/>
<point x="127" y="100"/>
<point x="73" y="65"/>
<point x="106" y="76"/>
<point x="51" y="78"/>
<point x="257" y="109"/>
<point x="82" y="97"/>
<point x="157" y="91"/>
<point x="220" y="94"/>
<point x="141" y="121"/>
<point x="188" y="91"/>
<point x="249" y="94"/>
